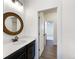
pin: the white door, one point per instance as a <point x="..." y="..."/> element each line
<point x="41" y="30"/>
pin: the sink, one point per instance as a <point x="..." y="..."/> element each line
<point x="19" y="42"/>
<point x="10" y="47"/>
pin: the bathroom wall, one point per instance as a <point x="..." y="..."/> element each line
<point x="31" y="8"/>
<point x="66" y="43"/>
<point x="16" y="8"/>
<point x="68" y="29"/>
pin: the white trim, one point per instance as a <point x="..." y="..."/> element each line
<point x="59" y="34"/>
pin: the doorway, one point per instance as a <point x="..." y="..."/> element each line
<point x="47" y="30"/>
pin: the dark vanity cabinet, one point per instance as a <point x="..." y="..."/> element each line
<point x="31" y="51"/>
<point x="26" y="52"/>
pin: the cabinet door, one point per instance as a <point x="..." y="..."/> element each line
<point x="31" y="50"/>
<point x="22" y="56"/>
<point x="30" y="53"/>
<point x="17" y="55"/>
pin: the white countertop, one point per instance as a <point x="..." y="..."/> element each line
<point x="10" y="47"/>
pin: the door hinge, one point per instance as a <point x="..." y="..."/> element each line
<point x="39" y="49"/>
<point x="38" y="33"/>
<point x="38" y="17"/>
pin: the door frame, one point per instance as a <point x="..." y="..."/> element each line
<point x="59" y="31"/>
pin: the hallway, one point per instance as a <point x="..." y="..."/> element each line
<point x="50" y="51"/>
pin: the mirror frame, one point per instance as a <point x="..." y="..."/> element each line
<point x="7" y="31"/>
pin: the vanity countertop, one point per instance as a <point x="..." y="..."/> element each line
<point x="10" y="47"/>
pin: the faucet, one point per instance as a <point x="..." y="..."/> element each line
<point x="15" y="39"/>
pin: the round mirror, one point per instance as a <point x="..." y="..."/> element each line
<point x="13" y="24"/>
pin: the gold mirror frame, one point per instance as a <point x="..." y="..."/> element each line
<point x="5" y="15"/>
